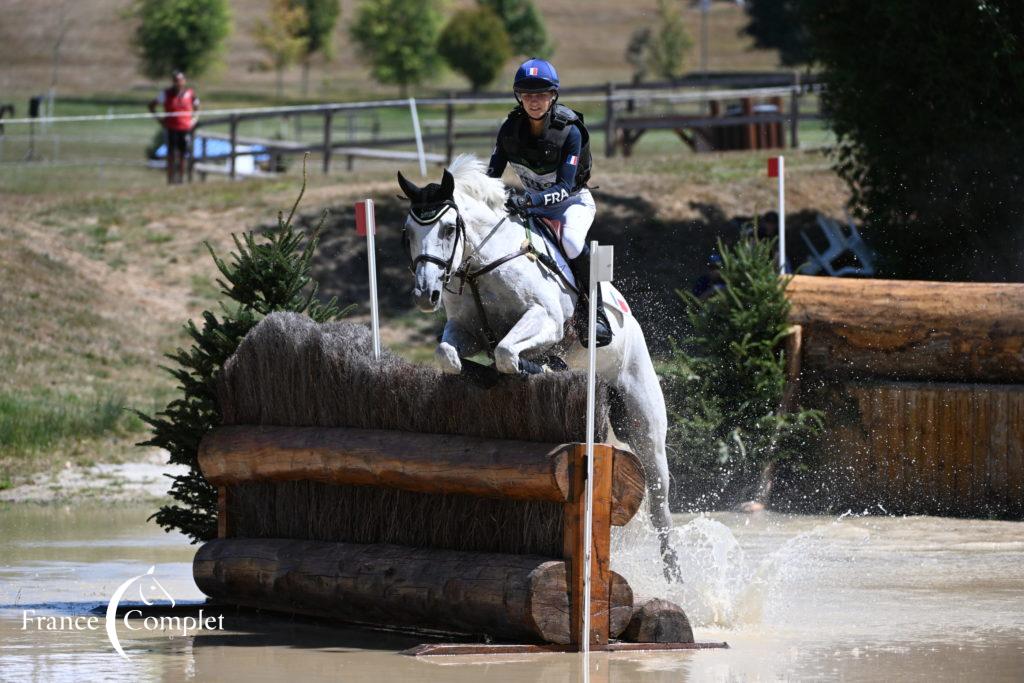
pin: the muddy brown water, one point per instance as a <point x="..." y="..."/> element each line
<point x="797" y="598"/>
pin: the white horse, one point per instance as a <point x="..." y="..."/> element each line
<point x="459" y="233"/>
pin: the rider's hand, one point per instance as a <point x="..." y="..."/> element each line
<point x="517" y="202"/>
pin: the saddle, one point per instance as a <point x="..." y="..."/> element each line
<point x="552" y="227"/>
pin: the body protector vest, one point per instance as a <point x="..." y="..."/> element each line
<point x="536" y="159"/>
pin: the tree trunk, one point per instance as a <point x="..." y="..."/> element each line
<point x="305" y="77"/>
<point x="910" y="330"/>
<point x="518" y="597"/>
<point x="427" y="463"/>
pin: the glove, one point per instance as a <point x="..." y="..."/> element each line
<point x="517" y="202"/>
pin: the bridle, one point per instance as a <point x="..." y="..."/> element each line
<point x="429" y="215"/>
<point x="432" y="213"/>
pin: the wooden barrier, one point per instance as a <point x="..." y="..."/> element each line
<point x="520" y="597"/>
<point x="926" y="410"/>
<point x="910" y="330"/>
<point x="917" y="448"/>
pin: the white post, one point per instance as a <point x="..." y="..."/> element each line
<point x="419" y="137"/>
<point x="782" y="215"/>
<point x="601" y="259"/>
<point x="371" y="253"/>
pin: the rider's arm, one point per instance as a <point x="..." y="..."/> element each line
<point x="498" y="159"/>
<point x="566" y="178"/>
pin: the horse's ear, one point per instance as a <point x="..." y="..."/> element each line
<point x="410" y="190"/>
<point x="448" y="185"/>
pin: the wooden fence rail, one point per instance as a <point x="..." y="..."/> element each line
<point x="621" y="131"/>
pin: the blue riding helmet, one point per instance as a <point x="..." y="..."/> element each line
<point x="535" y="75"/>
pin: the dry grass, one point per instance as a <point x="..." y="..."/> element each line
<point x="589" y="37"/>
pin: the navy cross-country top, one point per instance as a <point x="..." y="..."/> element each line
<point x="543" y="187"/>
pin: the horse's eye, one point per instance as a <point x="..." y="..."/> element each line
<point x="449" y="230"/>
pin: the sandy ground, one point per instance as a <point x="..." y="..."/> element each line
<point x="134" y="482"/>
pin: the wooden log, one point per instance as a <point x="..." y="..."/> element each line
<point x="519" y="597"/>
<point x="658" y="621"/>
<point x="427" y="463"/>
<point x="855" y="328"/>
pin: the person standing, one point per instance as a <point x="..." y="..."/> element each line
<point x="180" y="105"/>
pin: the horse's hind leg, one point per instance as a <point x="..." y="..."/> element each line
<point x="647" y="423"/>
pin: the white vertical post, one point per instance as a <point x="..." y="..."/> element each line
<point x="782" y="215"/>
<point x="419" y="137"/>
<point x="371" y="253"/>
<point x="601" y="260"/>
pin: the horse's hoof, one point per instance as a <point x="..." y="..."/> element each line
<point x="448" y="359"/>
<point x="506" y="361"/>
<point x="750" y="507"/>
<point x="670" y="565"/>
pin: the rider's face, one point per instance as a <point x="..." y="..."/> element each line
<point x="536" y="104"/>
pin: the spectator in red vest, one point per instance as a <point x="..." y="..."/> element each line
<point x="180" y="102"/>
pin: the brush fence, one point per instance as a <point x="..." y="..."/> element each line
<point x="926" y="398"/>
<point x="387" y="493"/>
<point x="524" y="597"/>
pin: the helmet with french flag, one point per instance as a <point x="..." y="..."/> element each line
<point x="535" y="75"/>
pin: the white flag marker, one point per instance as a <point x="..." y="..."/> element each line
<point x="366" y="224"/>
<point x="601" y="270"/>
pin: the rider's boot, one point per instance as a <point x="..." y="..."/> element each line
<point x="581" y="271"/>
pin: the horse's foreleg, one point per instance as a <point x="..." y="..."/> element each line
<point x="645" y="408"/>
<point x="535" y="330"/>
<point x="456" y="343"/>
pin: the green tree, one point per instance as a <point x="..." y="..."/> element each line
<point x="318" y="30"/>
<point x="180" y="34"/>
<point x="397" y="38"/>
<point x="925" y="98"/>
<point x="724" y="384"/>
<point x="670" y="43"/>
<point x="659" y="52"/>
<point x="475" y="44"/>
<point x="524" y="26"/>
<point x="281" y="37"/>
<point x="638" y="52"/>
<point x="778" y="25"/>
<point x="268" y="273"/>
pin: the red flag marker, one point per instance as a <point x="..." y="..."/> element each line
<point x="361" y="221"/>
<point x="773" y="167"/>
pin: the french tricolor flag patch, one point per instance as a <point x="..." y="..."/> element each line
<point x="533" y="71"/>
<point x="573" y="160"/>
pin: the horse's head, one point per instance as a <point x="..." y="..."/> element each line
<point x="433" y="238"/>
<point x="151" y="590"/>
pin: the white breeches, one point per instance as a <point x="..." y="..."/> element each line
<point x="576" y="214"/>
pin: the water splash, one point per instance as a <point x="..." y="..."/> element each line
<point x="725" y="584"/>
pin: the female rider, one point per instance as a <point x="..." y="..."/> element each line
<point x="549" y="149"/>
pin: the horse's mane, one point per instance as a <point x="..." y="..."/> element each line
<point x="472" y="182"/>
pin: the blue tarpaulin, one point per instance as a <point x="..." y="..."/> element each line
<point x="217" y="148"/>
